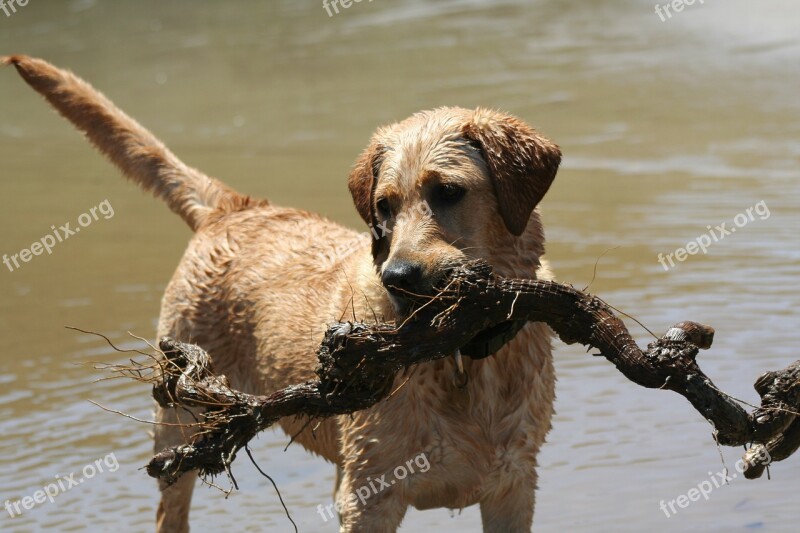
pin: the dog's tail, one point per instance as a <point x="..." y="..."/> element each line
<point x="134" y="150"/>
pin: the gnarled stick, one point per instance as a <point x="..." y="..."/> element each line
<point x="358" y="363"/>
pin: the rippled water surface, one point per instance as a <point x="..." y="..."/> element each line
<point x="667" y="128"/>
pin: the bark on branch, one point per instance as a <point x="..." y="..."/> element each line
<point x="358" y="362"/>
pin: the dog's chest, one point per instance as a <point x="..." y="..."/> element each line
<point x="506" y="404"/>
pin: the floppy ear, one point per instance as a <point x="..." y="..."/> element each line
<point x="522" y="163"/>
<point x="362" y="181"/>
<point x="363" y="177"/>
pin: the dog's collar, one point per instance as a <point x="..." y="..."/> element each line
<point x="491" y="340"/>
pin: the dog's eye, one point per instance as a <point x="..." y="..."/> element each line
<point x="449" y="194"/>
<point x="383" y="207"/>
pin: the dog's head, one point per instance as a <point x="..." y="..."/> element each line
<point x="448" y="185"/>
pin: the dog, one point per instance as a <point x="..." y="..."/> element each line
<point x="258" y="284"/>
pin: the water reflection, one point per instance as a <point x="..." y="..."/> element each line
<point x="667" y="127"/>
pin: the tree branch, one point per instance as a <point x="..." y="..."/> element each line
<point x="358" y="363"/>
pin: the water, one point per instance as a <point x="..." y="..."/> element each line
<point x="667" y="127"/>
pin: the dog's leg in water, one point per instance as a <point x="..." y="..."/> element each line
<point x="509" y="508"/>
<point x="372" y="508"/>
<point x="176" y="499"/>
<point x="337" y="489"/>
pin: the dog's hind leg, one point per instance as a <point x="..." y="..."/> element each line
<point x="176" y="499"/>
<point x="175" y="426"/>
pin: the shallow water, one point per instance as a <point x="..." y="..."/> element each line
<point x="667" y="128"/>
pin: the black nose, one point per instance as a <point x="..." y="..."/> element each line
<point x="403" y="276"/>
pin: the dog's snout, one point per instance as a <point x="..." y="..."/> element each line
<point x="403" y="276"/>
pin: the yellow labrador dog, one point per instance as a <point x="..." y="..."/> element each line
<point x="259" y="283"/>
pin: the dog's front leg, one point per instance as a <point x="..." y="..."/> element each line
<point x="507" y="506"/>
<point x="369" y="503"/>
